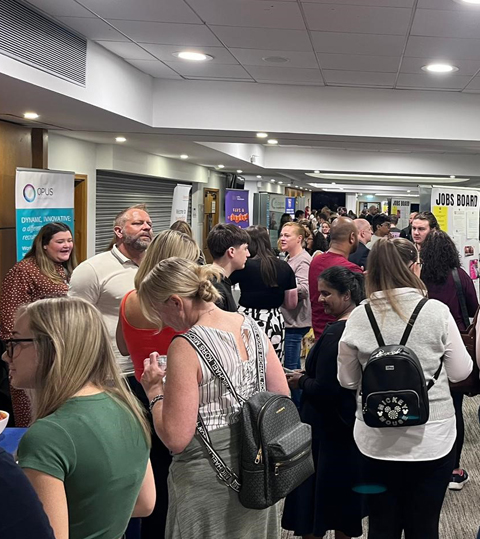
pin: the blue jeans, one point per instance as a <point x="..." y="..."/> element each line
<point x="293" y="348"/>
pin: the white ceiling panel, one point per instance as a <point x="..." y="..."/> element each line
<point x="210" y="70"/>
<point x="94" y="29"/>
<point x="358" y="19"/>
<point x="465" y="67"/>
<point x="165" y="52"/>
<point x="247" y="13"/>
<point x="449" y="49"/>
<point x="349" y="62"/>
<point x="279" y="74"/>
<point x="127" y="50"/>
<point x="155" y="68"/>
<point x="168" y="34"/>
<point x="442" y="23"/>
<point x="375" y="3"/>
<point x="353" y="78"/>
<point x="446" y="4"/>
<point x="144" y="10"/>
<point x="263" y="38"/>
<point x="428" y="81"/>
<point x="61" y="8"/>
<point x="474" y="86"/>
<point x="255" y="57"/>
<point x="341" y="43"/>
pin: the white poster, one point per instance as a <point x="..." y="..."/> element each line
<point x="181" y="197"/>
<point x="401" y="208"/>
<point x="41" y="196"/>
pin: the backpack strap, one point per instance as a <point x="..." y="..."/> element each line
<point x="374" y="325"/>
<point x="436" y="375"/>
<point x="461" y="297"/>
<point x="410" y="323"/>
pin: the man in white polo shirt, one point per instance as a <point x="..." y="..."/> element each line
<point x="105" y="278"/>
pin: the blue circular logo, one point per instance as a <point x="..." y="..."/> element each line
<point x="29" y="193"/>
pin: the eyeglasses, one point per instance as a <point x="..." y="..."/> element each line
<point x="10" y="345"/>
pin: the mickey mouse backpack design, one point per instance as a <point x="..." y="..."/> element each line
<point x="394" y="390"/>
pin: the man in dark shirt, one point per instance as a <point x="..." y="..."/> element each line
<point x="343" y="242"/>
<point x="228" y="245"/>
<point x="359" y="257"/>
<point x="372" y="211"/>
<point x="407" y="231"/>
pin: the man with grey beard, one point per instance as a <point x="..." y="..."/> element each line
<point x="105" y="278"/>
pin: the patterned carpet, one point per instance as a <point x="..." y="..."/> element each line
<point x="460" y="517"/>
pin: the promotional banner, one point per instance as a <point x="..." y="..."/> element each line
<point x="41" y="196"/>
<point x="456" y="211"/>
<point x="401" y="208"/>
<point x="290" y="205"/>
<point x="181" y="197"/>
<point x="236" y="207"/>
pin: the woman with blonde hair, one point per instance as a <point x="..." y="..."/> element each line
<point x="408" y="466"/>
<point x="86" y="453"/>
<point x="181" y="294"/>
<point x="44" y="272"/>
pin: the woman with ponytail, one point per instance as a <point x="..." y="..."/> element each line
<point x="180" y="293"/>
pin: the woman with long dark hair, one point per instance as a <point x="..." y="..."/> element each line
<point x="266" y="283"/>
<point x="440" y="263"/>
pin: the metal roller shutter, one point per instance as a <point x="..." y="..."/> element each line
<point x="116" y="191"/>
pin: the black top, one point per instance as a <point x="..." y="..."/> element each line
<point x="407" y="233"/>
<point x="325" y="403"/>
<point x="359" y="257"/>
<point x="255" y="294"/>
<point x="226" y="302"/>
<point x="22" y="515"/>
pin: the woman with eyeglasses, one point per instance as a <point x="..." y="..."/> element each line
<point x="44" y="272"/>
<point x="86" y="453"/>
<point x="409" y="467"/>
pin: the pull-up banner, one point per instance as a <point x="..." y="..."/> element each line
<point x="181" y="196"/>
<point x="41" y="196"/>
<point x="236" y="207"/>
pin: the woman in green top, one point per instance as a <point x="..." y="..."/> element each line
<point x="86" y="453"/>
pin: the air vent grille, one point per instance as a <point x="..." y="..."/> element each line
<point x="29" y="37"/>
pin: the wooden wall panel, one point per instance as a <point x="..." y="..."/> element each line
<point x="7" y="250"/>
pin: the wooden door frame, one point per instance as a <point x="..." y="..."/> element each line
<point x="83" y="210"/>
<point x="217" y="217"/>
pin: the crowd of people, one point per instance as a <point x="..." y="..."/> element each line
<point x="107" y="370"/>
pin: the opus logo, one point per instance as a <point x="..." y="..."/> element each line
<point x="29" y="193"/>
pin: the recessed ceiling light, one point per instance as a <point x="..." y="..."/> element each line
<point x="272" y="141"/>
<point x="239" y="171"/>
<point x="408" y="191"/>
<point x="259" y="177"/>
<point x="361" y="194"/>
<point x="193" y="56"/>
<point x="184" y="156"/>
<point x="454" y="176"/>
<point x="333" y="183"/>
<point x="316" y="172"/>
<point x="30" y="116"/>
<point x="262" y="135"/>
<point x="220" y="166"/>
<point x="280" y="182"/>
<point x="439" y="68"/>
<point x="121" y="139"/>
<point x="272" y="180"/>
<point x="474" y="2"/>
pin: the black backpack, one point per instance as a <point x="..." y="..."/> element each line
<point x="276" y="454"/>
<point x="394" y="390"/>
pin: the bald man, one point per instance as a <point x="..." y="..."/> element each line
<point x="359" y="257"/>
<point x="343" y="242"/>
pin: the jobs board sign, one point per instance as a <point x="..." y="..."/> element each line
<point x="41" y="197"/>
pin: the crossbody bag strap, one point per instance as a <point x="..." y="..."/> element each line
<point x="408" y="329"/>
<point x="260" y="357"/>
<point x="436" y="375"/>
<point x="461" y="297"/>
<point x="374" y="325"/>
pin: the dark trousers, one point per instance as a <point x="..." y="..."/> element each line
<point x="458" y="403"/>
<point x="412" y="499"/>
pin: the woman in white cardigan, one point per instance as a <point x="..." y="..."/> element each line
<point x="408" y="468"/>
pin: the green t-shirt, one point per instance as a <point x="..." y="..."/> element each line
<point x="98" y="449"/>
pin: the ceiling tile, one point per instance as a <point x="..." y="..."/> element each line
<point x="272" y="14"/>
<point x="428" y="81"/>
<point x="341" y="43"/>
<point x="358" y="19"/>
<point x="155" y="69"/>
<point x="209" y="70"/>
<point x="168" y="34"/>
<point x="263" y="38"/>
<point x="127" y="50"/>
<point x="353" y="78"/>
<point x="253" y="57"/>
<point x="442" y="23"/>
<point x="447" y="48"/>
<point x="465" y="67"/>
<point x="375" y="3"/>
<point x="164" y="53"/>
<point x="445" y="4"/>
<point x="144" y="10"/>
<point x="349" y="62"/>
<point x="474" y="86"/>
<point x="94" y="29"/>
<point x="279" y="74"/>
<point x="61" y="8"/>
